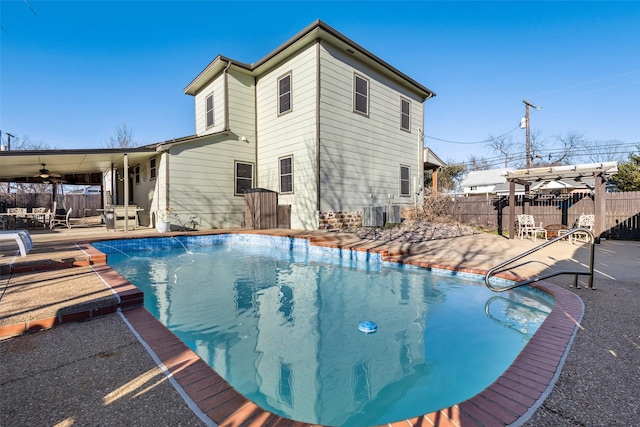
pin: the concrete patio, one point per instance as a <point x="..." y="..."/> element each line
<point x="84" y="372"/>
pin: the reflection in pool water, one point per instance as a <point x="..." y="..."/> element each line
<point x="279" y="320"/>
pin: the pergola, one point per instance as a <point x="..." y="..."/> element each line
<point x="527" y="177"/>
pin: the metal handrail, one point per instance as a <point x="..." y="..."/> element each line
<point x="500" y="268"/>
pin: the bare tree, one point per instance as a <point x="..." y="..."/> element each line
<point x="476" y="163"/>
<point x="504" y="145"/>
<point x="25" y="143"/>
<point x="612" y="150"/>
<point x="121" y="137"/>
<point x="569" y="142"/>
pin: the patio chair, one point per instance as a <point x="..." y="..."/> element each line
<point x="19" y="216"/>
<point x="527" y="227"/>
<point x="61" y="220"/>
<point x="43" y="219"/>
<point x="584" y="221"/>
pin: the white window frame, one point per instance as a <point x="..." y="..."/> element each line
<point x="209" y="110"/>
<point x="357" y="94"/>
<point x="236" y="191"/>
<point x="406" y="181"/>
<point x="407" y="115"/>
<point x="285" y="174"/>
<point x="285" y="94"/>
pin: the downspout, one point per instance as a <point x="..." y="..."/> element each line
<point x="318" y="189"/>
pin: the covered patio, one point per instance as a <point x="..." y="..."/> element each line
<point x="106" y="168"/>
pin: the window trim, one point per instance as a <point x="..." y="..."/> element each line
<point x="403" y="115"/>
<point x="355" y="94"/>
<point x="235" y="175"/>
<point x="280" y="174"/>
<point x="153" y="168"/>
<point x="280" y="95"/>
<point x="136" y="174"/>
<point x="207" y="110"/>
<point x="408" y="181"/>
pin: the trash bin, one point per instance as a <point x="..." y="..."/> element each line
<point x="260" y="209"/>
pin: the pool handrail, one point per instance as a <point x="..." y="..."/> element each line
<point x="500" y="268"/>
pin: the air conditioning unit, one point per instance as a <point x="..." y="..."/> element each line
<point x="393" y="214"/>
<point x="373" y="216"/>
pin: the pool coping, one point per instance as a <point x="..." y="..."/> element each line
<point x="510" y="400"/>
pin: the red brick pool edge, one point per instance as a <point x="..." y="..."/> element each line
<point x="510" y="400"/>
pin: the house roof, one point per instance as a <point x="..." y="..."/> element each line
<point x="318" y="30"/>
<point x="431" y="160"/>
<point x="485" y="177"/>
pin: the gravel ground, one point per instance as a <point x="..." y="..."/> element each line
<point x="412" y="231"/>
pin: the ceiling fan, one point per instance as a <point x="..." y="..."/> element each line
<point x="44" y="173"/>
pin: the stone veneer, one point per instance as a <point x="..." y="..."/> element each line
<point x="337" y="220"/>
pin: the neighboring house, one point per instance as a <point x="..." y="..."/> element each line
<point x="486" y="181"/>
<point x="320" y="120"/>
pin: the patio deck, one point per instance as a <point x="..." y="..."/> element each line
<point x="594" y="386"/>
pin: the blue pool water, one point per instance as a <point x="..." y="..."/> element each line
<point x="279" y="320"/>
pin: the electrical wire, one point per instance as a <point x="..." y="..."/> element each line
<point x="475" y="142"/>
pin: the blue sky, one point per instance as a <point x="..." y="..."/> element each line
<point x="72" y="72"/>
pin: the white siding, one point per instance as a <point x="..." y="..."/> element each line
<point x="293" y="133"/>
<point x="216" y="87"/>
<point x="202" y="180"/>
<point x="242" y="107"/>
<point x="361" y="156"/>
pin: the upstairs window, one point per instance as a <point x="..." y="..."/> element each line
<point x="209" y="110"/>
<point x="152" y="168"/>
<point x="405" y="114"/>
<point x="284" y="94"/>
<point x="286" y="174"/>
<point x="360" y="95"/>
<point x="244" y="177"/>
<point x="405" y="180"/>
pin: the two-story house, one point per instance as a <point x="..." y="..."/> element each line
<point x="321" y="121"/>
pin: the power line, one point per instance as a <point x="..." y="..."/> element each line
<point x="475" y="142"/>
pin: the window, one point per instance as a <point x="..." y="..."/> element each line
<point x="360" y="95"/>
<point x="136" y="174"/>
<point x="152" y="168"/>
<point x="286" y="174"/>
<point x="405" y="181"/>
<point x="284" y="94"/>
<point x="244" y="177"/>
<point x="209" y="110"/>
<point x="405" y="114"/>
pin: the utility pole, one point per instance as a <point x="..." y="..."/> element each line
<point x="9" y="141"/>
<point x="528" y="129"/>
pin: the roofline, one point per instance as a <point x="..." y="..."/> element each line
<point x="11" y="153"/>
<point x="165" y="145"/>
<point x="319" y="30"/>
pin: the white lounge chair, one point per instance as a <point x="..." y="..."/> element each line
<point x="22" y="238"/>
<point x="61" y="220"/>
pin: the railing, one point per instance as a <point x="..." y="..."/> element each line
<point x="501" y="268"/>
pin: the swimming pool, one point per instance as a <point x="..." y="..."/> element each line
<point x="292" y="314"/>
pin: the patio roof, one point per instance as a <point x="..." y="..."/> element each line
<point x="558" y="173"/>
<point x="22" y="165"/>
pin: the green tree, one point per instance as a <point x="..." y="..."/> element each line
<point x="450" y="176"/>
<point x="628" y="176"/>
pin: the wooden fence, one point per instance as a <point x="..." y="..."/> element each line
<point x="490" y="211"/>
<point x="83" y="204"/>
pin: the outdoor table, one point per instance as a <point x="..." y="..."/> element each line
<point x="13" y="217"/>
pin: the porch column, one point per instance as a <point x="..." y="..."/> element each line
<point x="512" y="210"/>
<point x="126" y="193"/>
<point x="600" y="205"/>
